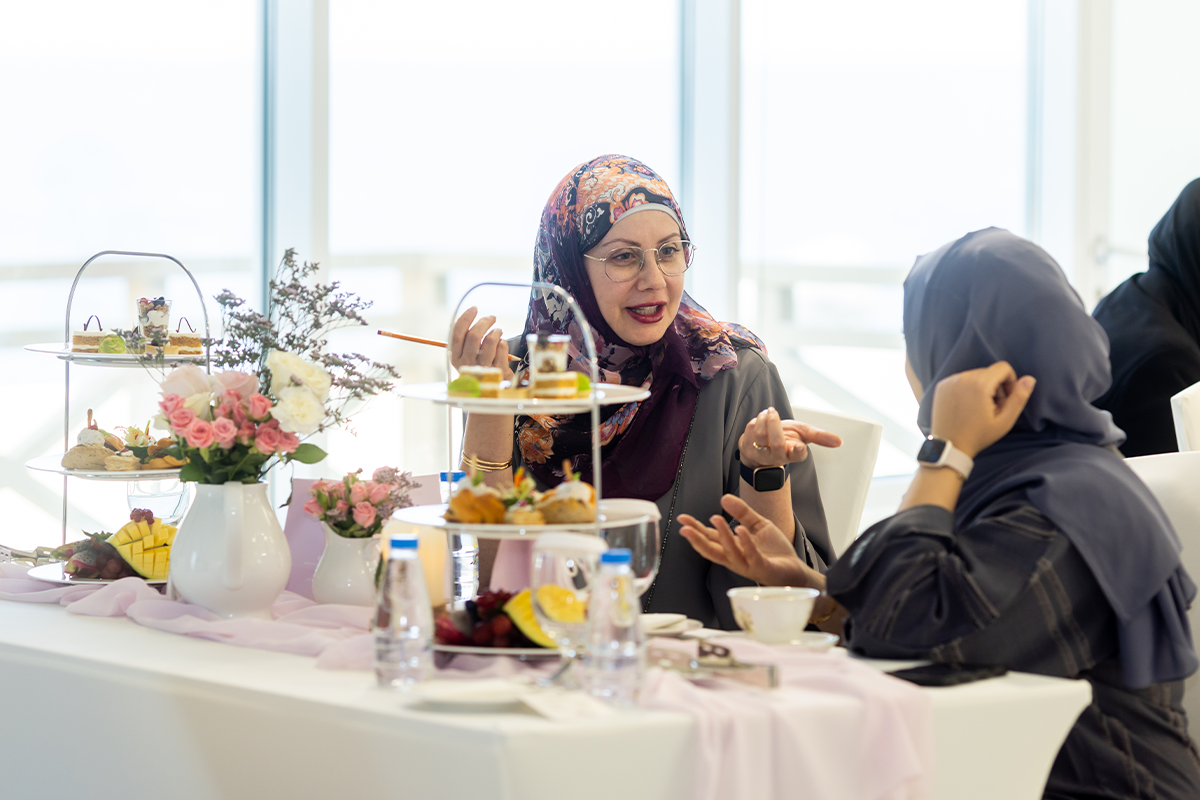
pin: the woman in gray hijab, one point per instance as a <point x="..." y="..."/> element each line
<point x="1024" y="540"/>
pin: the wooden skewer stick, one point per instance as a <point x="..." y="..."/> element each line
<point x="433" y="342"/>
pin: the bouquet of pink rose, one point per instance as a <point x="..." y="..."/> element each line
<point x="355" y="508"/>
<point x="230" y="432"/>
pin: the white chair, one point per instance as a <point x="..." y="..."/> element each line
<point x="843" y="473"/>
<point x="1173" y="478"/>
<point x="1185" y="408"/>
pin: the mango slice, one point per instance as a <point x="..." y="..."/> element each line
<point x="520" y="610"/>
<point x="146" y="547"/>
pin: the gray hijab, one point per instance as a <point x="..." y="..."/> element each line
<point x="992" y="296"/>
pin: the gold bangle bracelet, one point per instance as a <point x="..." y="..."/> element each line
<point x="485" y="466"/>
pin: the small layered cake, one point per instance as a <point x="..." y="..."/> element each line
<point x="167" y="350"/>
<point x="554" y="385"/>
<point x="86" y="341"/>
<point x="186" y="344"/>
<point x="489" y="379"/>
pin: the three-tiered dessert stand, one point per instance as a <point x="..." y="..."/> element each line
<point x="53" y="463"/>
<point x="612" y="513"/>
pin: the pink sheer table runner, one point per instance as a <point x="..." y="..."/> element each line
<point x="835" y="729"/>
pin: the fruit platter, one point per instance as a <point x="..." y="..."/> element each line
<point x="495" y="623"/>
<point x="141" y="548"/>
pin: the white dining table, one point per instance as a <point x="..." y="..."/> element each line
<point x="103" y="708"/>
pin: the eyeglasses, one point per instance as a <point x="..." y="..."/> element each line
<point x="623" y="264"/>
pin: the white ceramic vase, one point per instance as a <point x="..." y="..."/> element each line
<point x="230" y="555"/>
<point x="346" y="571"/>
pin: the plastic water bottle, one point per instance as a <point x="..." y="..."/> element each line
<point x="615" y="658"/>
<point x="464" y="553"/>
<point x="403" y="618"/>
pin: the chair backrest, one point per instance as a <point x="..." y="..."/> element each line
<point x="1173" y="478"/>
<point x="843" y="473"/>
<point x="1185" y="408"/>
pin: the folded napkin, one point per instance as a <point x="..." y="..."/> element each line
<point x="798" y="740"/>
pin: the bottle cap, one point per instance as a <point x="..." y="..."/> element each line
<point x="617" y="555"/>
<point x="452" y="477"/>
<point x="403" y="541"/>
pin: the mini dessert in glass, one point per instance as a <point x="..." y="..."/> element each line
<point x="548" y="376"/>
<point x="154" y="316"/>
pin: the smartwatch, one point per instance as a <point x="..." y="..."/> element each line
<point x="936" y="453"/>
<point x="763" y="479"/>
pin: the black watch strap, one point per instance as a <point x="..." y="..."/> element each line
<point x="763" y="479"/>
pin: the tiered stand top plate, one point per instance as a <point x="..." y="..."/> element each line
<point x="104" y="359"/>
<point x="614" y="513"/>
<point x="54" y="464"/>
<point x="605" y="393"/>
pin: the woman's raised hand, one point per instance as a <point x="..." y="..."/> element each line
<point x="756" y="550"/>
<point x="976" y="408"/>
<point x="476" y="345"/>
<point x="769" y="441"/>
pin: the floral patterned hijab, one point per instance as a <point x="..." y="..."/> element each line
<point x="642" y="443"/>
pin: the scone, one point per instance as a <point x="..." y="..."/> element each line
<point x="127" y="463"/>
<point x="86" y="456"/>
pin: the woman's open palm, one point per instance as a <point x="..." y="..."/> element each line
<point x="757" y="550"/>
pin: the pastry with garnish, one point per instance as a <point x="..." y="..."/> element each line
<point x="475" y="503"/>
<point x="520" y="501"/>
<point x="86" y="456"/>
<point x="569" y="502"/>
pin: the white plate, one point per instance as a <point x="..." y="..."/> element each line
<point x="54" y="464"/>
<point x="613" y="513"/>
<point x="53" y="573"/>
<point x="606" y="394"/>
<point x="674" y="629"/>
<point x="105" y="359"/>
<point x="486" y="692"/>
<point x="652" y="622"/>
<point x="523" y="652"/>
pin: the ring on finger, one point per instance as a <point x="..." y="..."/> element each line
<point x="758" y="446"/>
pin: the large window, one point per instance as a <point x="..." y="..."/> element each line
<point x="127" y="125"/>
<point x="450" y="124"/>
<point x="871" y="133"/>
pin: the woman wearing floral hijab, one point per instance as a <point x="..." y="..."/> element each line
<point x="613" y="236"/>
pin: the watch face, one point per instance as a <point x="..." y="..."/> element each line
<point x="769" y="479"/>
<point x="931" y="451"/>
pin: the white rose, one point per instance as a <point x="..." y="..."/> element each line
<point x="161" y="424"/>
<point x="288" y="369"/>
<point x="298" y="410"/>
<point x="200" y="404"/>
<point x="186" y="381"/>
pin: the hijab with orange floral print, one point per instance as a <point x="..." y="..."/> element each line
<point x="642" y="442"/>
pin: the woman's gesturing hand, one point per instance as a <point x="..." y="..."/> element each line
<point x="769" y="441"/>
<point x="757" y="550"/>
<point x="974" y="409"/>
<point x="474" y="345"/>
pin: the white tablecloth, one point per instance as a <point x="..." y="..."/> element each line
<point x="102" y="708"/>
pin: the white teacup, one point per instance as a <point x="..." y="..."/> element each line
<point x="773" y="614"/>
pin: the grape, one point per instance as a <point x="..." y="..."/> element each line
<point x="500" y="641"/>
<point x="501" y="625"/>
<point x="482" y="635"/>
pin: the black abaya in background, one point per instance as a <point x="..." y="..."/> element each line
<point x="1153" y="326"/>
